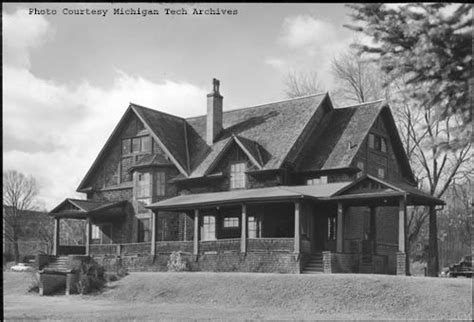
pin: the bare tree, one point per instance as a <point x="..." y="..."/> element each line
<point x="424" y="134"/>
<point x="357" y="80"/>
<point x="19" y="194"/>
<point x="301" y="84"/>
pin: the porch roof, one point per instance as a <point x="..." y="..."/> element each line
<point x="356" y="192"/>
<point x="81" y="209"/>
<point x="278" y="193"/>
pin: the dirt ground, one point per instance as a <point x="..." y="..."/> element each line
<point x="239" y="296"/>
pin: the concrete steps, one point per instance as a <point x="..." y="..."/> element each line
<point x="315" y="265"/>
<point x="60" y="264"/>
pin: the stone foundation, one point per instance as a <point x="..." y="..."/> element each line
<point x="272" y="262"/>
<point x="401" y="263"/>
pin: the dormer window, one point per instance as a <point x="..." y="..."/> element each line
<point x="237" y="175"/>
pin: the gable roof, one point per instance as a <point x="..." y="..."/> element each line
<point x="344" y="134"/>
<point x="79" y="208"/>
<point x="270" y="135"/>
<point x="266" y="124"/>
<point x="346" y="128"/>
<point x="165" y="129"/>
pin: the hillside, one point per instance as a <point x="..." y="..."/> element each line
<point x="304" y="296"/>
<point x="239" y="296"/>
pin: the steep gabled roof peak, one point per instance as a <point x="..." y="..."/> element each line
<point x="260" y="105"/>
<point x="365" y="104"/>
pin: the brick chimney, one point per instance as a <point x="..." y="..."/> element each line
<point x="214" y="113"/>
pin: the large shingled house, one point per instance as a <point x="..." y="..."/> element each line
<point x="291" y="186"/>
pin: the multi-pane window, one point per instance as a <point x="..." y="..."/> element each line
<point x="144" y="230"/>
<point x="315" y="181"/>
<point x="101" y="234"/>
<point x="141" y="144"/>
<point x="143" y="185"/>
<point x="160" y="183"/>
<point x="377" y="142"/>
<point x="231" y="222"/>
<point x="209" y="228"/>
<point x="252" y="227"/>
<point x="95" y="232"/>
<point x="383" y="145"/>
<point x="381" y="173"/>
<point x="237" y="175"/>
<point x="360" y="165"/>
<point x="332" y="228"/>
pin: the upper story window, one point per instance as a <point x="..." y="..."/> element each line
<point x="141" y="144"/>
<point x="381" y="173"/>
<point x="315" y="181"/>
<point x="159" y="183"/>
<point x="143" y="185"/>
<point x="377" y="142"/>
<point x="231" y="222"/>
<point x="361" y="166"/>
<point x="237" y="175"/>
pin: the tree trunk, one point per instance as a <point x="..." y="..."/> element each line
<point x="433" y="262"/>
<point x="16" y="250"/>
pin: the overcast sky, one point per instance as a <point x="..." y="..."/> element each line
<point x="67" y="79"/>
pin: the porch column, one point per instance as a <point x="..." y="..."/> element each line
<point x="433" y="257"/>
<point x="297" y="226"/>
<point x="340" y="228"/>
<point x="373" y="228"/>
<point x="56" y="237"/>
<point x="243" y="235"/>
<point x="88" y="235"/>
<point x="196" y="232"/>
<point x="153" y="233"/>
<point x="402" y="208"/>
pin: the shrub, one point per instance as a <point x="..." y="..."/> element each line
<point x="176" y="263"/>
<point x="91" y="277"/>
<point x="120" y="272"/>
<point x="35" y="281"/>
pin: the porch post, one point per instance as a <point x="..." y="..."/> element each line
<point x="243" y="235"/>
<point x="402" y="208"/>
<point x="297" y="226"/>
<point x="88" y="235"/>
<point x="153" y="233"/>
<point x="196" y="232"/>
<point x="373" y="228"/>
<point x="340" y="228"/>
<point x="56" y="237"/>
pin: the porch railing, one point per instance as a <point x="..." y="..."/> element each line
<point x="218" y="246"/>
<point x="270" y="244"/>
<point x="71" y="250"/>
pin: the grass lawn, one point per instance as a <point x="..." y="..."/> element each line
<point x="240" y="296"/>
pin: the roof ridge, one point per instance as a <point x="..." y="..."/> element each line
<point x="260" y="105"/>
<point x="360" y="104"/>
<point x="157" y="111"/>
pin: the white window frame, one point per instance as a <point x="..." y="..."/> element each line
<point x="238" y="178"/>
<point x="208" y="227"/>
<point x="381" y="173"/>
<point x="230" y="222"/>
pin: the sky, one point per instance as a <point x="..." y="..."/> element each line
<point x="68" y="78"/>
